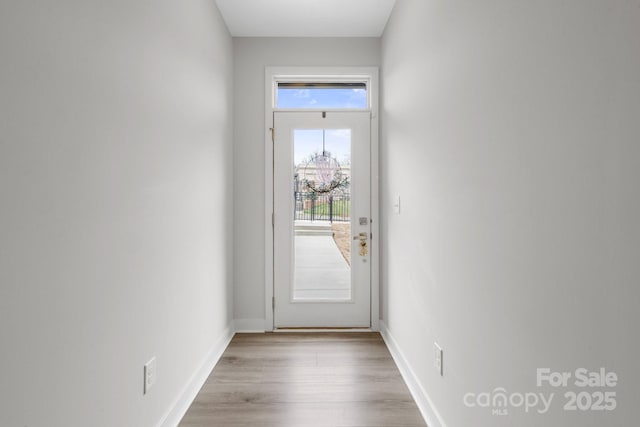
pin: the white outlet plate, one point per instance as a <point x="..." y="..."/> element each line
<point x="438" y="358"/>
<point x="396" y="205"/>
<point x="149" y="375"/>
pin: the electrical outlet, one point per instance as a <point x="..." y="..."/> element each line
<point x="396" y="205"/>
<point x="438" y="358"/>
<point x="149" y="375"/>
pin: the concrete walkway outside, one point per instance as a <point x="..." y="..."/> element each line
<point x="321" y="271"/>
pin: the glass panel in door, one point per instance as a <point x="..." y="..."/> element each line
<point x="322" y="215"/>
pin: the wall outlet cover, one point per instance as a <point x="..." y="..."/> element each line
<point x="396" y="205"/>
<point x="149" y="375"/>
<point x="438" y="358"/>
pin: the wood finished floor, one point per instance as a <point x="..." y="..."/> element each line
<point x="305" y="380"/>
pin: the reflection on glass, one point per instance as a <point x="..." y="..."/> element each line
<point x="322" y="182"/>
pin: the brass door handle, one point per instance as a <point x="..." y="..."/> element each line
<point x="364" y="250"/>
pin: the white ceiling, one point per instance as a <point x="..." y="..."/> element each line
<point x="306" y="18"/>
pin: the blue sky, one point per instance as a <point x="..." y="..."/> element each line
<point x="322" y="98"/>
<point x="309" y="141"/>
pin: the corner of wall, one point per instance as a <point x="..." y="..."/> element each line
<point x="242" y="326"/>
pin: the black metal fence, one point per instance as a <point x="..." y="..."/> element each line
<point x="322" y="207"/>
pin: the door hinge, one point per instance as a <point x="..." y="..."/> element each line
<point x="273" y="135"/>
<point x="273" y="303"/>
<point x="273" y="219"/>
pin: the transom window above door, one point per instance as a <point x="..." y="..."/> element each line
<point x="322" y="95"/>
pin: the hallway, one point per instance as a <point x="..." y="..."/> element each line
<point x="139" y="209"/>
<point x="305" y="379"/>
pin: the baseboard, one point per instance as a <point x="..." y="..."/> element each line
<point x="425" y="404"/>
<point x="248" y="325"/>
<point x="197" y="380"/>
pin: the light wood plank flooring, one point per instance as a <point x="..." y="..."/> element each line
<point x="305" y="380"/>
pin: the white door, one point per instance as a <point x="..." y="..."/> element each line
<point x="322" y="202"/>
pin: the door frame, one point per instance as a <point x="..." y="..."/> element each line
<point x="310" y="74"/>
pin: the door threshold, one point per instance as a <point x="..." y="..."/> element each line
<point x="315" y="329"/>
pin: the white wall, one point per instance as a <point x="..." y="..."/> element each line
<point x="251" y="56"/>
<point x="510" y="131"/>
<point x="116" y="198"/>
